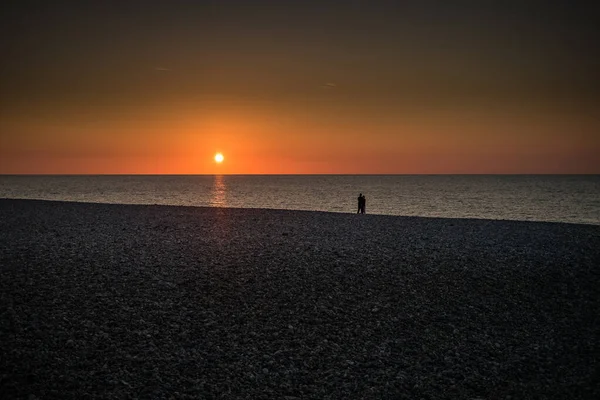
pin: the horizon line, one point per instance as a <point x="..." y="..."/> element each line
<point x="313" y="174"/>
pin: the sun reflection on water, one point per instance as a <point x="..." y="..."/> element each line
<point x="218" y="196"/>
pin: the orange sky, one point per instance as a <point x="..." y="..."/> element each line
<point x="159" y="88"/>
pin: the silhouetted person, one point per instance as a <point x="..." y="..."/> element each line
<point x="361" y="204"/>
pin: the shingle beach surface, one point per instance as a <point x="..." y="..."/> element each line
<point x="121" y="301"/>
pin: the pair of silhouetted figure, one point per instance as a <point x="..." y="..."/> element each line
<point x="362" y="202"/>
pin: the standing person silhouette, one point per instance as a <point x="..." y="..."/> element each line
<point x="361" y="204"/>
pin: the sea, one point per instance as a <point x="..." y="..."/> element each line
<point x="555" y="198"/>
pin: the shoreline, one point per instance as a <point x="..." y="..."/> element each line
<point x="116" y="300"/>
<point x="300" y="211"/>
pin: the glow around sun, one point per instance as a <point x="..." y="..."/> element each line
<point x="219" y="158"/>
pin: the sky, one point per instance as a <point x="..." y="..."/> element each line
<point x="299" y="87"/>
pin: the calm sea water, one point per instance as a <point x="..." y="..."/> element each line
<point x="561" y="198"/>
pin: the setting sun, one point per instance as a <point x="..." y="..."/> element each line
<point x="219" y="158"/>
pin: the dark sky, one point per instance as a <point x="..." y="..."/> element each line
<point x="282" y="74"/>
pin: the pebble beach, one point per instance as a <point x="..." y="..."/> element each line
<point x="103" y="301"/>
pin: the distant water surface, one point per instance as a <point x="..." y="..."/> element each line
<point x="560" y="198"/>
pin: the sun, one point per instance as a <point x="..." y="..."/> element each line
<point x="219" y="158"/>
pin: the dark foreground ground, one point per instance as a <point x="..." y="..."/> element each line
<point x="114" y="301"/>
